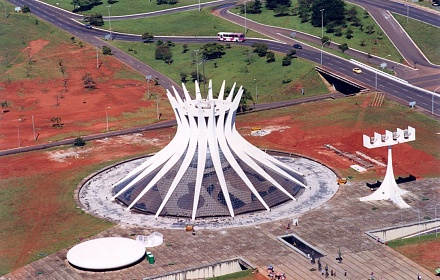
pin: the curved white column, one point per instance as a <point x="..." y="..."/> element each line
<point x="206" y="127"/>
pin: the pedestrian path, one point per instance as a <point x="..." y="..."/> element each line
<point x="95" y="197"/>
<point x="338" y="224"/>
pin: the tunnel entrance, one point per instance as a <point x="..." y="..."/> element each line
<point x="341" y="84"/>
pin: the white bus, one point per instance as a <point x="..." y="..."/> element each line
<point x="230" y="37"/>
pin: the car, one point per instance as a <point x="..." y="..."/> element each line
<point x="297" y="46"/>
<point x="435" y="4"/>
<point x="88" y="26"/>
<point x="357" y="70"/>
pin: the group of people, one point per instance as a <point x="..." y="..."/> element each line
<point x="275" y="275"/>
<point x="325" y="272"/>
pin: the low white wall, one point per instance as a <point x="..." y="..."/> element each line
<point x="396" y="232"/>
<point x="203" y="272"/>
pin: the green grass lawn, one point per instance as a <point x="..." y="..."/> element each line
<point x="123" y="7"/>
<point x="383" y="47"/>
<point x="188" y="23"/>
<point x="13" y="44"/>
<point x="272" y="81"/>
<point x="413" y="240"/>
<point x="62" y="230"/>
<point x="427" y="37"/>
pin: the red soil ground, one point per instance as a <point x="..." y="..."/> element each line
<point x="84" y="110"/>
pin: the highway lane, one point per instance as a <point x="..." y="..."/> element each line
<point x="62" y="20"/>
<point x="429" y="17"/>
<point x="408" y="49"/>
<point x="338" y="64"/>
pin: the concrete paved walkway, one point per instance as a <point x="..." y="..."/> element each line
<point x="340" y="223"/>
<point x="95" y="198"/>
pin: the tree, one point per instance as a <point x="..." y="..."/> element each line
<point x="212" y="50"/>
<point x="4" y="105"/>
<point x="270" y="57"/>
<point x="330" y="27"/>
<point x="255" y="7"/>
<point x="281" y="10"/>
<point x="79" y="142"/>
<point x="272" y="4"/>
<point x="163" y="52"/>
<point x="333" y="12"/>
<point x="183" y="77"/>
<point x="96" y="19"/>
<point x="349" y="33"/>
<point x="326" y="40"/>
<point x="194" y="76"/>
<point x="260" y="48"/>
<point x="370" y="29"/>
<point x="56" y="122"/>
<point x="287" y="60"/>
<point x="304" y="10"/>
<point x="26" y="9"/>
<point x="170" y="2"/>
<point x="343" y="47"/>
<point x="147" y="37"/>
<point x="106" y="50"/>
<point x="245" y="97"/>
<point x="351" y="13"/>
<point x="88" y="81"/>
<point x="292" y="53"/>
<point x="338" y="31"/>
<point x="82" y="5"/>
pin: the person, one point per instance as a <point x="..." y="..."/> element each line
<point x="326" y="267"/>
<point x="271" y="275"/>
<point x="322" y="271"/>
<point x="372" y="275"/>
<point x="334" y="273"/>
<point x="331" y="272"/>
<point x="345" y="272"/>
<point x="419" y="277"/>
<point x="270" y="268"/>
<point x="319" y="264"/>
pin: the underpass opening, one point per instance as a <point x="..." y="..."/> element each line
<point x="340" y="83"/>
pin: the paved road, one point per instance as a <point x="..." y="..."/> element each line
<point x="339" y="224"/>
<point x="427" y="75"/>
<point x="282" y="43"/>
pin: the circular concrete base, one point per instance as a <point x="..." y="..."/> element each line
<point x="95" y="197"/>
<point x="106" y="253"/>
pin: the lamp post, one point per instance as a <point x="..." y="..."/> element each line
<point x="18" y="136"/>
<point x="33" y="128"/>
<point x="322" y="47"/>
<point x="245" y="19"/>
<point x="407" y="12"/>
<point x="197" y="62"/>
<point x="109" y="21"/>
<point x="97" y="56"/>
<point x="148" y="77"/>
<point x="322" y="23"/>
<point x="432" y="108"/>
<point x="256" y="91"/>
<point x="106" y="116"/>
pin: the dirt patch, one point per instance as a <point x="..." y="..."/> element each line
<point x="426" y="253"/>
<point x="123" y="102"/>
<point x="35" y="105"/>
